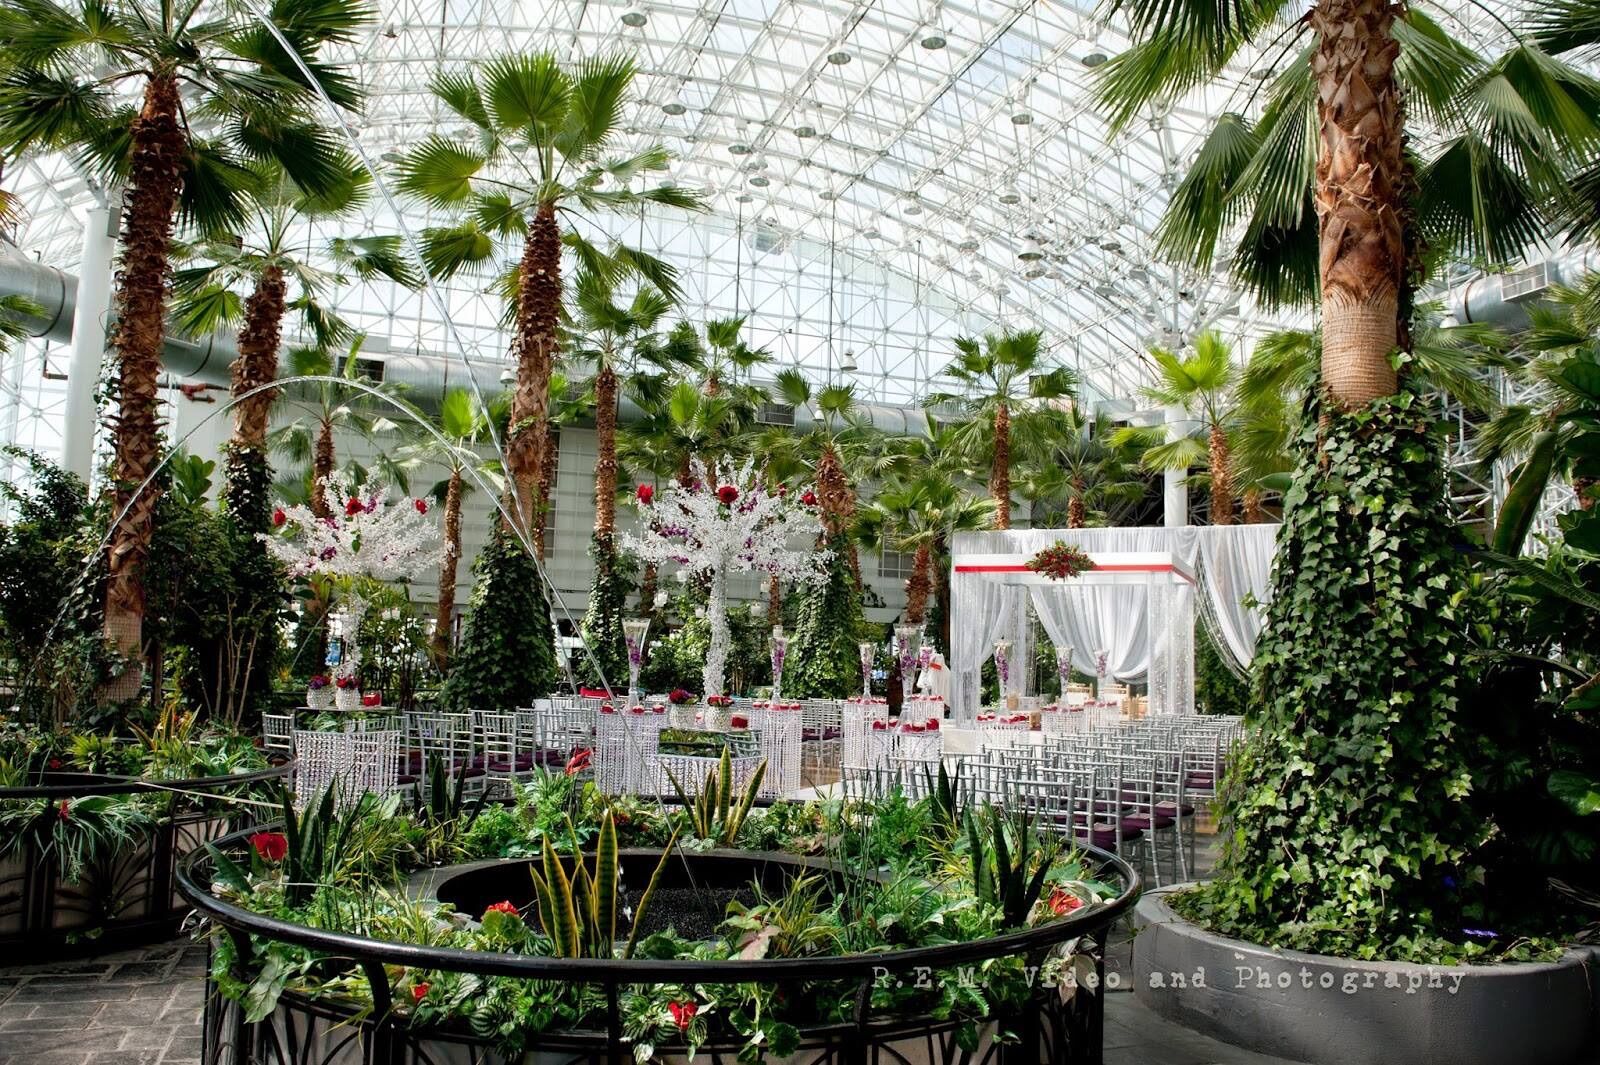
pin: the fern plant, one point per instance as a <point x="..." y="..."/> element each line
<point x="579" y="912"/>
<point x="716" y="814"/>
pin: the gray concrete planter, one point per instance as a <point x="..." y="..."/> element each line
<point x="1330" y="1011"/>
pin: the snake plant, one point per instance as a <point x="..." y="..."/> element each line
<point x="716" y="814"/>
<point x="579" y="911"/>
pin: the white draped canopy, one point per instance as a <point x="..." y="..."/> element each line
<point x="1137" y="623"/>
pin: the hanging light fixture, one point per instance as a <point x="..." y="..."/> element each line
<point x="673" y="107"/>
<point x="634" y="16"/>
<point x="969" y="241"/>
<point x="848" y="363"/>
<point x="1010" y="196"/>
<point x="1031" y="251"/>
<point x="933" y="35"/>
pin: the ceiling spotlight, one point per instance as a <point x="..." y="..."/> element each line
<point x="739" y="148"/>
<point x="1021" y="116"/>
<point x="758" y="163"/>
<point x="1010" y="197"/>
<point x="933" y="39"/>
<point x="969" y="242"/>
<point x="673" y="107"/>
<point x="848" y="363"/>
<point x="913" y="208"/>
<point x="760" y="182"/>
<point x="1031" y="252"/>
<point x="744" y="197"/>
<point x="1105" y="290"/>
<point x="634" y="16"/>
<point x="392" y="156"/>
<point x="974" y="275"/>
<point x="827" y="194"/>
<point x="1095" y="59"/>
<point x="839" y="58"/>
<point x="1111" y="244"/>
<point x="872" y="234"/>
<point x="389" y="31"/>
<point x="508" y="376"/>
<point x="1033" y="273"/>
<point x="1138" y="273"/>
<point x="805" y="131"/>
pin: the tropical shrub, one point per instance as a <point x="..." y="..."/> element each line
<point x="824" y="652"/>
<point x="507" y="653"/>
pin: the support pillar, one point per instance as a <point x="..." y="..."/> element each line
<point x="89" y="321"/>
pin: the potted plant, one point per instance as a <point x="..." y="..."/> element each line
<point x="319" y="692"/>
<point x="347" y="692"/>
<point x="719" y="712"/>
<point x="682" y="712"/>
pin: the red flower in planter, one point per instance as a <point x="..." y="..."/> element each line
<point x="419" y="992"/>
<point x="810" y="498"/>
<point x="271" y="846"/>
<point x="1063" y="902"/>
<point x="727" y="495"/>
<point x="682" y="1013"/>
<point x="505" y="906"/>
<point x="421" y="505"/>
<point x="579" y="761"/>
<point x="352" y="507"/>
<point x="65" y="809"/>
<point x="55" y="763"/>
<point x="278" y="516"/>
<point x="646" y="493"/>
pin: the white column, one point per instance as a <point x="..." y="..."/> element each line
<point x="1175" y="493"/>
<point x="89" y="318"/>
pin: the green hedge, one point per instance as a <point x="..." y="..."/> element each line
<point x="507" y="654"/>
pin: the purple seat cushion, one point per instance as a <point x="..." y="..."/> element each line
<point x="832" y="733"/>
<point x="1142" y="822"/>
<point x="405" y="778"/>
<point x="522" y="763"/>
<point x="1165" y="809"/>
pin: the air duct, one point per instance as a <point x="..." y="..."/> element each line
<point x="1502" y="299"/>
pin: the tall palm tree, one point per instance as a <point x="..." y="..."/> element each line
<point x="541" y="138"/>
<point x="828" y="447"/>
<point x="65" y="64"/>
<point x="465" y="424"/>
<point x="726" y="357"/>
<point x="1081" y="471"/>
<point x="1202" y="383"/>
<point x="919" y="516"/>
<point x="1328" y="205"/>
<point x="998" y="377"/>
<point x="266" y="261"/>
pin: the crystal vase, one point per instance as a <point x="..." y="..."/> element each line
<point x="908" y="641"/>
<point x="780" y="648"/>
<point x="633" y="636"/>
<point x="869" y="651"/>
<point x="1002" y="669"/>
<point x="1064" y="669"/>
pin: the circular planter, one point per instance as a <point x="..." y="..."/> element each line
<point x="1057" y="1025"/>
<point x="1333" y="1011"/>
<point x="126" y="896"/>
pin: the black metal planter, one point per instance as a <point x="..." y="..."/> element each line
<point x="1051" y="1028"/>
<point x="127" y="896"/>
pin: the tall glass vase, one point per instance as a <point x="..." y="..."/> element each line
<point x="1002" y="670"/>
<point x="780" y="648"/>
<point x="633" y="636"/>
<point x="1064" y="669"/>
<point x="869" y="653"/>
<point x="908" y="641"/>
<point x="1102" y="659"/>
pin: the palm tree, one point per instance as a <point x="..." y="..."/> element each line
<point x="727" y="357"/>
<point x="1544" y="435"/>
<point x="65" y="65"/>
<point x="1081" y="466"/>
<point x="919" y="516"/>
<point x="1328" y="205"/>
<point x="465" y="424"/>
<point x="542" y="135"/>
<point x="828" y="447"/>
<point x="206" y="299"/>
<point x="1202" y="383"/>
<point x="998" y="377"/>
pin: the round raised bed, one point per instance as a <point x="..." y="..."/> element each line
<point x="1058" y="1024"/>
<point x="1333" y="1011"/>
<point x="127" y="895"/>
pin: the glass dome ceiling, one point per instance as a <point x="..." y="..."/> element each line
<point x="881" y="175"/>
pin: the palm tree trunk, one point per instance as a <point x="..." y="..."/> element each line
<point x="547" y="476"/>
<point x="774" y="600"/>
<point x="920" y="584"/>
<point x="322" y="469"/>
<point x="1077" y="515"/>
<point x="538" y="316"/>
<point x="141" y="296"/>
<point x="837" y="501"/>
<point x="444" y="619"/>
<point x="1253" y="512"/>
<point x="1000" y="470"/>
<point x="1360" y="170"/>
<point x="257" y="365"/>
<point x="1221" y="463"/>
<point x="605" y="465"/>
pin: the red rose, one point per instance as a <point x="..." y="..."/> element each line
<point x="646" y="493"/>
<point x="278" y="516"/>
<point x="421" y="505"/>
<point x="419" y="992"/>
<point x="271" y="846"/>
<point x="810" y="498"/>
<point x="727" y="494"/>
<point x="55" y="763"/>
<point x="682" y="1013"/>
<point x="505" y="906"/>
<point x="65" y="809"/>
<point x="352" y="507"/>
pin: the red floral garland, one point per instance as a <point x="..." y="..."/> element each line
<point x="1060" y="561"/>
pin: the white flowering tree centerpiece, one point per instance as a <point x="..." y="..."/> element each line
<point x="367" y="537"/>
<point x="725" y="521"/>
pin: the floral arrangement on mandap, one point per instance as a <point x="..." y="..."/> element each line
<point x="1061" y="561"/>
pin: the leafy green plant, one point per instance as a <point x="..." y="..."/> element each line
<point x="948" y="807"/>
<point x="798" y="924"/>
<point x="75" y="834"/>
<point x="578" y="912"/>
<point x="507" y="654"/>
<point x="445" y="815"/>
<point x="1010" y="862"/>
<point x="716" y="813"/>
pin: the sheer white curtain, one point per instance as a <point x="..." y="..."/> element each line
<point x="981" y="611"/>
<point x="1235" y="565"/>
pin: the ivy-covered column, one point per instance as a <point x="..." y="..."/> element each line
<point x="1346" y="825"/>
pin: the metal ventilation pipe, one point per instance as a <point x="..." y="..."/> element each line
<point x="1502" y="299"/>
